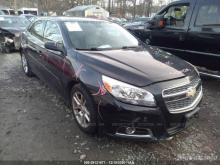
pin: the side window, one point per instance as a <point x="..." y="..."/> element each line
<point x="52" y="32"/>
<point x="208" y="13"/>
<point x="176" y="15"/>
<point x="37" y="30"/>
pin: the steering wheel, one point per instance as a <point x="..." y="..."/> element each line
<point x="171" y="20"/>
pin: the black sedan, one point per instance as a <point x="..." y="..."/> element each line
<point x="114" y="83"/>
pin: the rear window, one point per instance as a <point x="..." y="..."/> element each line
<point x="208" y="14"/>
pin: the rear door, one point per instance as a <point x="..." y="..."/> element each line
<point x="203" y="40"/>
<point x="34" y="42"/>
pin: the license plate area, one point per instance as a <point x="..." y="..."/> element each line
<point x="190" y="118"/>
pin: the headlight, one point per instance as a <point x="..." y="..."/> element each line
<point x="128" y="93"/>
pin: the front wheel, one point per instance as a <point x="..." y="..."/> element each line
<point x="25" y="66"/>
<point x="83" y="110"/>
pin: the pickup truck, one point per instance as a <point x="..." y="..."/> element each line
<point x="189" y="29"/>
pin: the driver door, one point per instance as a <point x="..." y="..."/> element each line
<point x="176" y="19"/>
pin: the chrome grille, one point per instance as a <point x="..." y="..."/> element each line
<point x="178" y="100"/>
<point x="181" y="88"/>
<point x="183" y="103"/>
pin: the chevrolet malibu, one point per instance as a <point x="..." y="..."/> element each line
<point x="115" y="84"/>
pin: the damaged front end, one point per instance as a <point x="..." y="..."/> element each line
<point x="9" y="40"/>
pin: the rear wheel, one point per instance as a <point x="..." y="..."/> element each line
<point x="25" y="66"/>
<point x="83" y="110"/>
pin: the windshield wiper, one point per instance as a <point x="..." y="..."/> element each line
<point x="130" y="47"/>
<point x="94" y="49"/>
<point x="100" y="48"/>
<point x="81" y="49"/>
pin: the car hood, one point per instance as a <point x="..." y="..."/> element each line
<point x="14" y="30"/>
<point x="139" y="67"/>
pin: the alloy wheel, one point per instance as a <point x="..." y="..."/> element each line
<point x="80" y="110"/>
<point x="24" y="63"/>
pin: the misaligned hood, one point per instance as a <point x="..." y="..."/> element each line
<point x="14" y="30"/>
<point x="139" y="67"/>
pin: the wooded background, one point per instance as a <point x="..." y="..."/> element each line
<point x="120" y="8"/>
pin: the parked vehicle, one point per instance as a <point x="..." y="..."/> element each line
<point x="189" y="29"/>
<point x="30" y="17"/>
<point x="32" y="11"/>
<point x="11" y="28"/>
<point x="137" y="23"/>
<point x="1" y="12"/>
<point x="123" y="20"/>
<point x="8" y="11"/>
<point x="114" y="83"/>
<point x="141" y="19"/>
<point x="135" y="26"/>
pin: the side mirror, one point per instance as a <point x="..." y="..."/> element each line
<point x="157" y="22"/>
<point x="54" y="46"/>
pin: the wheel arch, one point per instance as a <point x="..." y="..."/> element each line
<point x="73" y="83"/>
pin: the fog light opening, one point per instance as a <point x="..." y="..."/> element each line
<point x="130" y="130"/>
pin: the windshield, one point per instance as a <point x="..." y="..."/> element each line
<point x="13" y="22"/>
<point x="100" y="35"/>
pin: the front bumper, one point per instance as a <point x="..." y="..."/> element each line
<point x="149" y="123"/>
<point x="145" y="123"/>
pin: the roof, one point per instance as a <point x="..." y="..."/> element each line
<point x="83" y="8"/>
<point x="25" y="8"/>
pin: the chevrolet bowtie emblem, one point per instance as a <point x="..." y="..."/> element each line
<point x="191" y="92"/>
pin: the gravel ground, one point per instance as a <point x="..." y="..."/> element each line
<point x="36" y="125"/>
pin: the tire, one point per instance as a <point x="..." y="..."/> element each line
<point x="83" y="109"/>
<point x="25" y="66"/>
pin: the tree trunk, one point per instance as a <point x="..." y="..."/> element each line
<point x="135" y="1"/>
